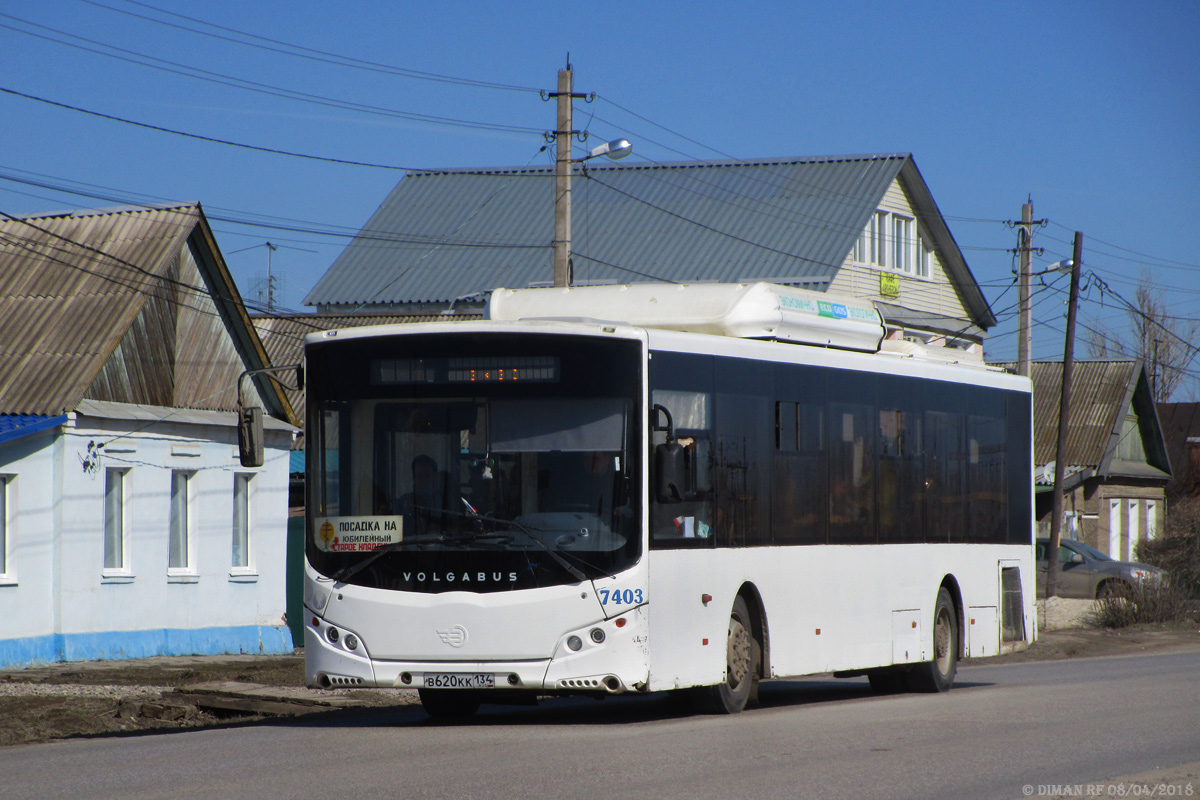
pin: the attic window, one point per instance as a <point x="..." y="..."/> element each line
<point x="893" y="241"/>
<point x="1130" y="448"/>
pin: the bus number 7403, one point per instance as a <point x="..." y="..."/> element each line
<point x="618" y="597"/>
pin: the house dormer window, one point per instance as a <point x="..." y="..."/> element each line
<point x="1130" y="447"/>
<point x="892" y="241"/>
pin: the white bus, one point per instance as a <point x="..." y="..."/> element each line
<point x="607" y="490"/>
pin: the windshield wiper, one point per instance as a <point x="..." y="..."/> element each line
<point x="557" y="556"/>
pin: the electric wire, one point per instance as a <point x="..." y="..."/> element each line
<point x="713" y="229"/>
<point x="244" y="84"/>
<point x="313" y="54"/>
<point x="201" y="137"/>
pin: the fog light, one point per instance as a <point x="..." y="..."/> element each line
<point x="332" y="634"/>
<point x="351" y="641"/>
<point x="406" y="678"/>
<point x="574" y="642"/>
<point x="597" y="635"/>
<point x="514" y="679"/>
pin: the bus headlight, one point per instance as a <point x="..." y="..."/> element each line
<point x="574" y="643"/>
<point x="597" y="635"/>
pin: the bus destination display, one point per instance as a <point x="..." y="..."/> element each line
<point x="483" y="369"/>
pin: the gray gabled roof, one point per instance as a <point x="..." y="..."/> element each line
<point x="445" y="234"/>
<point x="98" y="304"/>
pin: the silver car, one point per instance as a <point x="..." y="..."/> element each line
<point x="1083" y="571"/>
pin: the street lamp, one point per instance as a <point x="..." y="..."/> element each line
<point x="1024" y="318"/>
<point x="1066" y="265"/>
<point x="618" y="148"/>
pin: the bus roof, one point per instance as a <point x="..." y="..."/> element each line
<point x="740" y="310"/>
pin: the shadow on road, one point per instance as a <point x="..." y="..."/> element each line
<point x="616" y="710"/>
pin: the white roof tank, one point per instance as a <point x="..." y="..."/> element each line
<point x="743" y="310"/>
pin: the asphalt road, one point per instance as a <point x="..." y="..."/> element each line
<point x="1005" y="731"/>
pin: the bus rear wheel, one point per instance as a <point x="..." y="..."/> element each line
<point x="449" y="704"/>
<point x="743" y="657"/>
<point x="938" y="675"/>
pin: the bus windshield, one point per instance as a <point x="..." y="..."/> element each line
<point x="447" y="473"/>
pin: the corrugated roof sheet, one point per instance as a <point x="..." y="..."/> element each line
<point x="69" y="286"/>
<point x="444" y="234"/>
<point x="110" y="305"/>
<point x="1100" y="393"/>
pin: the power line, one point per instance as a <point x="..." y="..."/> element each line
<point x="235" y="82"/>
<point x="246" y="218"/>
<point x="201" y="137"/>
<point x="664" y="128"/>
<point x="312" y="54"/>
<point x="703" y="226"/>
<point x="146" y="276"/>
<point x="1155" y="259"/>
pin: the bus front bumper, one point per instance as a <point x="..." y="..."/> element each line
<point x="607" y="656"/>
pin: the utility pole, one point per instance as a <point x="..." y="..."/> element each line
<point x="1064" y="414"/>
<point x="562" y="180"/>
<point x="564" y="165"/>
<point x="1025" y="323"/>
<point x="562" y="176"/>
<point x="270" y="279"/>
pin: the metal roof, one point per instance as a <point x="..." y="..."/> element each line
<point x="129" y="305"/>
<point x="18" y="426"/>
<point x="445" y="234"/>
<point x="1102" y="393"/>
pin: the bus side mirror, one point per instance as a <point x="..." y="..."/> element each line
<point x="670" y="472"/>
<point x="671" y="477"/>
<point x="250" y="437"/>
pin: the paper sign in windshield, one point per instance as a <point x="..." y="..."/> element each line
<point x="357" y="534"/>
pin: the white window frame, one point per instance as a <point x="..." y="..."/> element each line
<point x="903" y="244"/>
<point x="879" y="239"/>
<point x="1134" y="530"/>
<point x="862" y="245"/>
<point x="8" y="565"/>
<point x="1114" y="529"/>
<point x="122" y="570"/>
<point x="181" y="524"/>
<point x="924" y="257"/>
<point x="243" y="524"/>
<point x="893" y="241"/>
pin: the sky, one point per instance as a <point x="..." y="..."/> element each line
<point x="1091" y="109"/>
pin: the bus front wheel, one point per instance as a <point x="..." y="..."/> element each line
<point x="743" y="656"/>
<point x="938" y="675"/>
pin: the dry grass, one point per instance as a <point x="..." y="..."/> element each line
<point x="1178" y="552"/>
<point x="1176" y="600"/>
<point x="1144" y="604"/>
